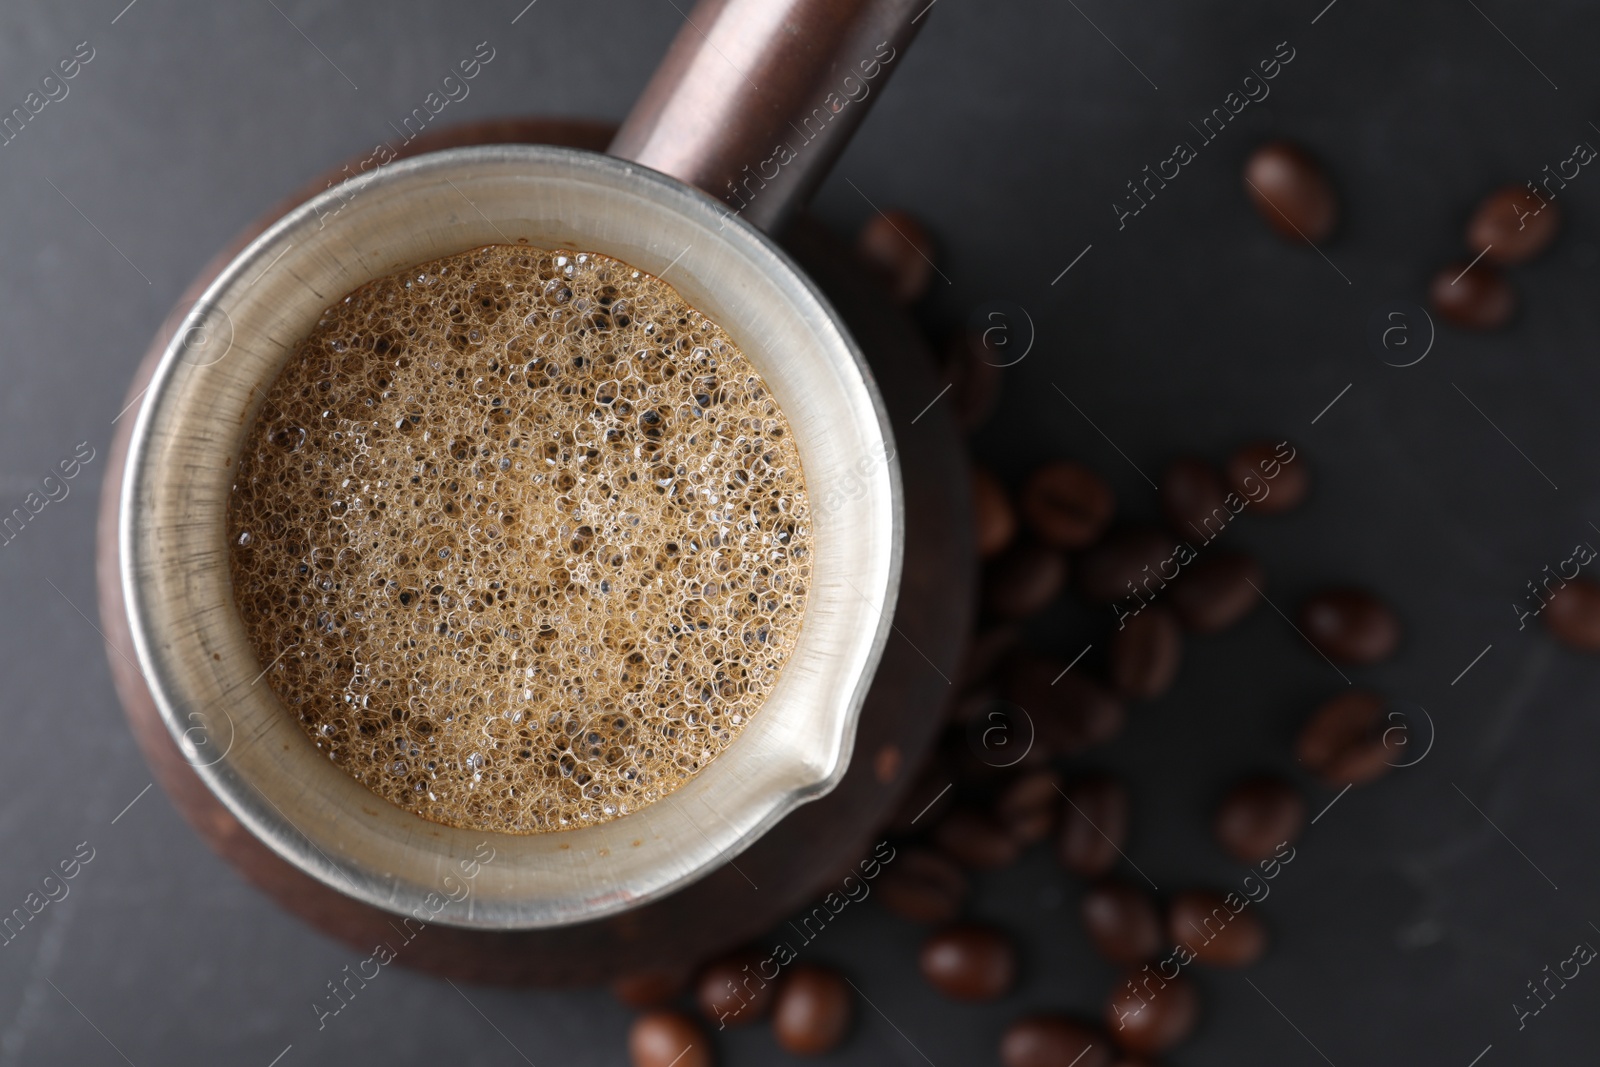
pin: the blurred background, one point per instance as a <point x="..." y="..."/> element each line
<point x="1418" y="908"/>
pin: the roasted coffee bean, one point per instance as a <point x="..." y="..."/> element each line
<point x="668" y="1039"/>
<point x="1066" y="505"/>
<point x="1133" y="564"/>
<point x="1052" y="1041"/>
<point x="1350" y="626"/>
<point x="899" y="249"/>
<point x="993" y="518"/>
<point x="1344" y="740"/>
<point x="976" y="840"/>
<point x="1028" y="807"/>
<point x="1258" y="815"/>
<point x="1291" y="191"/>
<point x="648" y="989"/>
<point x="1067" y="710"/>
<point x="1024" y="581"/>
<point x="1123" y="922"/>
<point x="923" y="885"/>
<point x="1193" y="499"/>
<point x="1513" y="224"/>
<point x="1147" y="1014"/>
<point x="813" y="1010"/>
<point x="1217" y="934"/>
<point x="1217" y="591"/>
<point x="974" y="378"/>
<point x="1094" y="825"/>
<point x="1268" y="478"/>
<point x="1145" y="653"/>
<point x="1573" y="614"/>
<point x="986" y="651"/>
<point x="969" y="962"/>
<point x="731" y="992"/>
<point x="1472" y="297"/>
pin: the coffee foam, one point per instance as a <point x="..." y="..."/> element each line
<point x="521" y="538"/>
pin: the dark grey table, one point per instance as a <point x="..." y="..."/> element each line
<point x="1416" y="909"/>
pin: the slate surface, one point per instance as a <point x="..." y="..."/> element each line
<point x="1409" y="922"/>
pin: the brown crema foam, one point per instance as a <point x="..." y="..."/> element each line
<point x="521" y="538"/>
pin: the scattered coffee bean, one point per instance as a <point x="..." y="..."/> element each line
<point x="1094" y="825"/>
<point x="923" y="885"/>
<point x="994" y="520"/>
<point x="1024" y="581"/>
<point x="648" y="989"/>
<point x="1123" y="922"/>
<point x="1129" y="563"/>
<point x="1217" y="935"/>
<point x="1513" y="224"/>
<point x="1217" y="591"/>
<point x="1052" y="1041"/>
<point x="1145" y="654"/>
<point x="1291" y="191"/>
<point x="1066" y="505"/>
<point x="969" y="962"/>
<point x="1573" y="614"/>
<point x="1028" y="807"/>
<point x="1067" y="508"/>
<point x="1272" y="477"/>
<point x="898" y="247"/>
<point x="1258" y="815"/>
<point x="668" y="1039"/>
<point x="1350" y="626"/>
<point x="1192" y="499"/>
<point x="1147" y="1014"/>
<point x="1343" y="741"/>
<point x="1067" y="710"/>
<point x="731" y="992"/>
<point x="976" y="840"/>
<point x="975" y="380"/>
<point x="813" y="1010"/>
<point x="1472" y="297"/>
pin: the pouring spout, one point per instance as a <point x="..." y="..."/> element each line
<point x="756" y="99"/>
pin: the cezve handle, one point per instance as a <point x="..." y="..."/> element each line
<point x="757" y="98"/>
